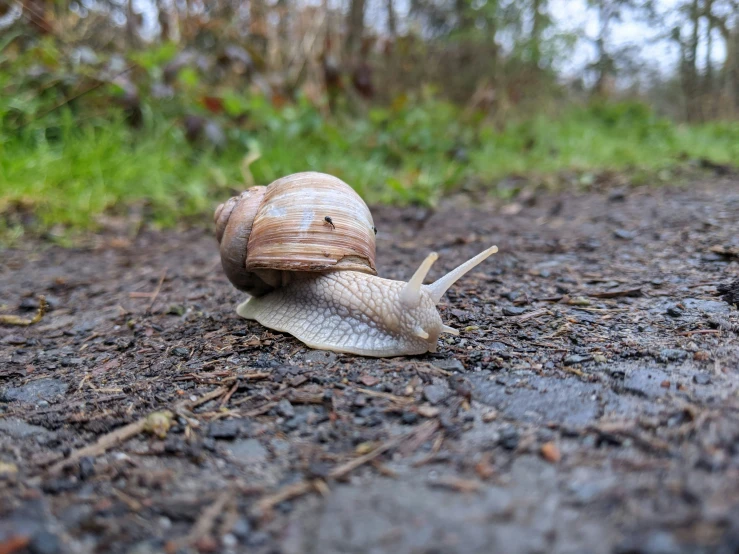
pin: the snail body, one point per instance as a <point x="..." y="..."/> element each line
<point x="318" y="282"/>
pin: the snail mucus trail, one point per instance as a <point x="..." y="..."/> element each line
<point x="318" y="282"/>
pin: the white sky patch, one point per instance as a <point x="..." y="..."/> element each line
<point x="660" y="53"/>
<point x="656" y="51"/>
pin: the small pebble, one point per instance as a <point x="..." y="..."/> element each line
<point x="180" y="352"/>
<point x="434" y="393"/>
<point x="623" y="234"/>
<point x="509" y="438"/>
<point x="242" y="528"/>
<point x="672" y="354"/>
<point x="225" y="429"/>
<point x="285" y="408"/>
<point x="701" y="379"/>
<point x="409" y="418"/>
<point x="28" y="304"/>
<point x="87" y="468"/>
<point x="258" y="538"/>
<point x="616" y="195"/>
<point x="513" y="310"/>
<point x="44" y="542"/>
<point x="576" y="359"/>
<point x="449" y="364"/>
<point x="674" y="311"/>
<point x="489" y="416"/>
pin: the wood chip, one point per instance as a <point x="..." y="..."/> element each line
<point x="428" y="411"/>
<point x="393" y="398"/>
<point x="490" y="415"/>
<point x="529" y="315"/>
<point x="550" y="452"/>
<point x="457" y="484"/>
<point x="369" y="380"/>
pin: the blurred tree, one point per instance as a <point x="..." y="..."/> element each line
<point x="355" y="29"/>
<point x="133" y="19"/>
<point x="540" y="22"/>
<point x="258" y="27"/>
<point x="391" y="21"/>
<point x="486" y="54"/>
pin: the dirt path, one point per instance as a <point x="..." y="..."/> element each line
<point x="591" y="403"/>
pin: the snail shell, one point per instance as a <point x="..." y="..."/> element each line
<point x="304" y="249"/>
<point x="267" y="233"/>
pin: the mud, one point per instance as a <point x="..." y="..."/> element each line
<point x="591" y="403"/>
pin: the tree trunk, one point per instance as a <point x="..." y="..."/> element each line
<point x="131" y="24"/>
<point x="709" y="89"/>
<point x="258" y="28"/>
<point x="536" y="31"/>
<point x="391" y="23"/>
<point x="163" y="16"/>
<point x="355" y="28"/>
<point x="462" y="9"/>
<point x="603" y="64"/>
<point x="692" y="102"/>
<point x="732" y="64"/>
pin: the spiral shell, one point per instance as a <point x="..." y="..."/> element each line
<point x="267" y="231"/>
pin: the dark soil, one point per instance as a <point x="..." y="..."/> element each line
<point x="591" y="403"/>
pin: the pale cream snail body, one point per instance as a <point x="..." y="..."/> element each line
<point x="303" y="247"/>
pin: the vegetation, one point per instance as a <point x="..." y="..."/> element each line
<point x="410" y="153"/>
<point x="97" y="121"/>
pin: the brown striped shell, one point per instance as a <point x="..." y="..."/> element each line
<point x="267" y="232"/>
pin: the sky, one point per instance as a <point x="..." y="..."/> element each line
<point x="662" y="54"/>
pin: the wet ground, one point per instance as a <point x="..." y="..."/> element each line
<point x="590" y="405"/>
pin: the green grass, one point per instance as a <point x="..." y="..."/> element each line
<point x="68" y="176"/>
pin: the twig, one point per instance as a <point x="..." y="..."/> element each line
<point x="156" y="292"/>
<point x="415" y="439"/>
<point x="702" y="332"/>
<point x="431" y="455"/>
<point x="204" y="524"/>
<point x="385" y="395"/>
<point x="263" y="409"/>
<point x="304" y="487"/>
<point x="133" y="504"/>
<point x="420" y="434"/>
<point x="190" y="404"/>
<point x="106" y="442"/>
<point x="15" y="320"/>
<point x="285" y="493"/>
<point x="255" y="376"/>
<point x="229" y="394"/>
<point x="456" y="483"/>
<point x="575" y="371"/>
<point x="342" y="470"/>
<point x="430" y="368"/>
<point x="530" y="315"/>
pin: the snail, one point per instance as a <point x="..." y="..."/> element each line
<point x="318" y="282"/>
